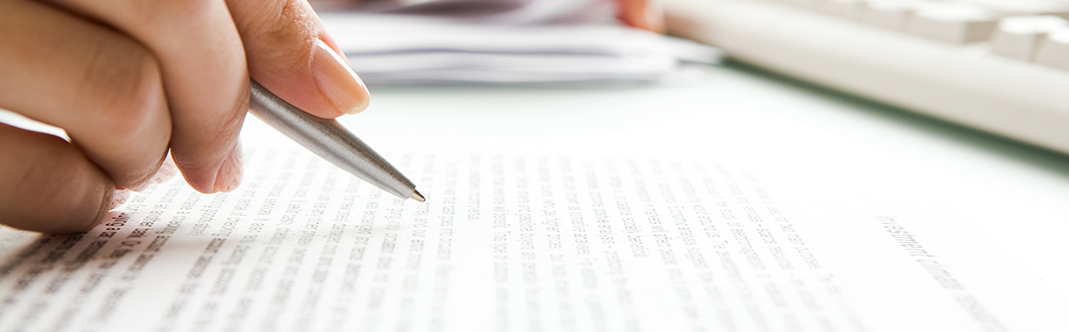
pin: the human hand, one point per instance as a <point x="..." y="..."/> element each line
<point x="130" y="80"/>
<point x="642" y="14"/>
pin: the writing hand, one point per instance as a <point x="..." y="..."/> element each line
<point x="130" y="80"/>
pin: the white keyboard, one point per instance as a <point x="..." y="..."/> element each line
<point x="997" y="65"/>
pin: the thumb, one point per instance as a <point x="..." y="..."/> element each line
<point x="289" y="52"/>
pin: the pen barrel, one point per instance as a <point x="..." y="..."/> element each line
<point x="332" y="140"/>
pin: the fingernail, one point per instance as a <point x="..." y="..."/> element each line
<point x="230" y="172"/>
<point x="167" y="171"/>
<point x="118" y="198"/>
<point x="337" y="81"/>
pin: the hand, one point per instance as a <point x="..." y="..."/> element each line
<point x="130" y="80"/>
<point x="642" y="14"/>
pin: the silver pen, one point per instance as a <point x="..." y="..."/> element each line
<point x="332" y="140"/>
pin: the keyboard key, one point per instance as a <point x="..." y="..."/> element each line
<point x="1024" y="7"/>
<point x="963" y="83"/>
<point x="889" y="14"/>
<point x="1019" y="37"/>
<point x="957" y="23"/>
<point x="1054" y="50"/>
<point x="813" y="4"/>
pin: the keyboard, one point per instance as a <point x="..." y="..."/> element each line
<point x="1000" y="66"/>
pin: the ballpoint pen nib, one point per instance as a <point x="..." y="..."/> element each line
<point x="416" y="196"/>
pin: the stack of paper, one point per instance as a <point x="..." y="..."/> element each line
<point x="403" y="49"/>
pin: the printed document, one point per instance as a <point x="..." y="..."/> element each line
<point x="522" y="239"/>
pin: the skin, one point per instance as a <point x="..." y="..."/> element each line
<point x="642" y="14"/>
<point x="146" y="89"/>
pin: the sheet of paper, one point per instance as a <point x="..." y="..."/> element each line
<point x="508" y="242"/>
<point x="551" y="226"/>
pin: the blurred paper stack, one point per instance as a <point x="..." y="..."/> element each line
<point x="400" y="49"/>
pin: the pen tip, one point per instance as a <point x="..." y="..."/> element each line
<point x="416" y="196"/>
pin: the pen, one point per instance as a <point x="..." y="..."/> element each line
<point x="332" y="140"/>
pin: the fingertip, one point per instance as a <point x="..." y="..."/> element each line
<point x="230" y="172"/>
<point x="338" y="84"/>
<point x="201" y="178"/>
